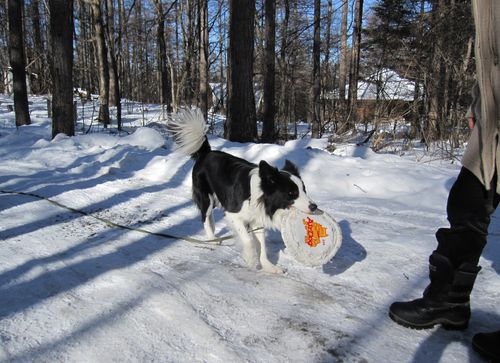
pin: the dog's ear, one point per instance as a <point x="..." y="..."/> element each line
<point x="291" y="168"/>
<point x="268" y="174"/>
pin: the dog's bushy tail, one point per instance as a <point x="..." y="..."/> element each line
<point x="188" y="129"/>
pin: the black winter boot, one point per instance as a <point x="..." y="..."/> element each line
<point x="445" y="301"/>
<point x="488" y="345"/>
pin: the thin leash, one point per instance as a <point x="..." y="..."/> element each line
<point x="214" y="241"/>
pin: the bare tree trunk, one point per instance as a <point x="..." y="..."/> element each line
<point x="285" y="99"/>
<point x="84" y="53"/>
<point x="327" y="76"/>
<point x="460" y="90"/>
<point x="38" y="51"/>
<point x="343" y="70"/>
<point x="136" y="62"/>
<point x="189" y="48"/>
<point x="114" y="80"/>
<point x="175" y="60"/>
<point x="269" y="113"/>
<point x="417" y="107"/>
<point x="18" y="62"/>
<point x="136" y="58"/>
<point x="164" y="81"/>
<point x="438" y="77"/>
<point x="124" y="69"/>
<point x="110" y="35"/>
<point x="354" y="68"/>
<point x="241" y="120"/>
<point x="316" y="81"/>
<point x="80" y="46"/>
<point x="4" y="53"/>
<point x="61" y="37"/>
<point x="102" y="63"/>
<point x="203" y="56"/>
<point x="222" y="54"/>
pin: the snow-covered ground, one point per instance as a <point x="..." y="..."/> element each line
<point x="74" y="289"/>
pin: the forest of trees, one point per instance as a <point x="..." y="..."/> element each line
<point x="253" y="60"/>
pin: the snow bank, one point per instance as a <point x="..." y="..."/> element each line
<point x="143" y="137"/>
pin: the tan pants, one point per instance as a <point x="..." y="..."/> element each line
<point x="484" y="141"/>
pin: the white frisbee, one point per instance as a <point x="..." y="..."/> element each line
<point x="312" y="239"/>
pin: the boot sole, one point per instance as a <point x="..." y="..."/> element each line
<point x="445" y="323"/>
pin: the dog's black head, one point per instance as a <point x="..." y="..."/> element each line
<point x="283" y="189"/>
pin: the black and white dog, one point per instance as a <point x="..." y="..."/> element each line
<point x="251" y="195"/>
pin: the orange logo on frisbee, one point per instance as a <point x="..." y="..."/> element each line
<point x="314" y="231"/>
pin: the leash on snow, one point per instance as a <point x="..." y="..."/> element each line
<point x="215" y="241"/>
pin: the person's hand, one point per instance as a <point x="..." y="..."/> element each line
<point x="472" y="122"/>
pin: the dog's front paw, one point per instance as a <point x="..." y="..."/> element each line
<point x="250" y="258"/>
<point x="272" y="269"/>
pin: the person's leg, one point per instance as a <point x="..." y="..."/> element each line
<point x="469" y="209"/>
<point x="453" y="265"/>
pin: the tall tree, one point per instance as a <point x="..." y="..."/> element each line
<point x="327" y="72"/>
<point x="18" y="62"/>
<point x="316" y="76"/>
<point x="269" y="112"/>
<point x="189" y="37"/>
<point x="123" y="49"/>
<point x="343" y="69"/>
<point x="437" y="85"/>
<point x="37" y="85"/>
<point x="284" y="101"/>
<point x="114" y="80"/>
<point x="102" y="60"/>
<point x="222" y="54"/>
<point x="355" y="55"/>
<point x="390" y="33"/>
<point x="109" y="32"/>
<point x="389" y="43"/>
<point x="176" y="60"/>
<point x="203" y="56"/>
<point x="83" y="66"/>
<point x="4" y="52"/>
<point x="418" y="105"/>
<point x="163" y="73"/>
<point x="241" y="119"/>
<point x="61" y="37"/>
